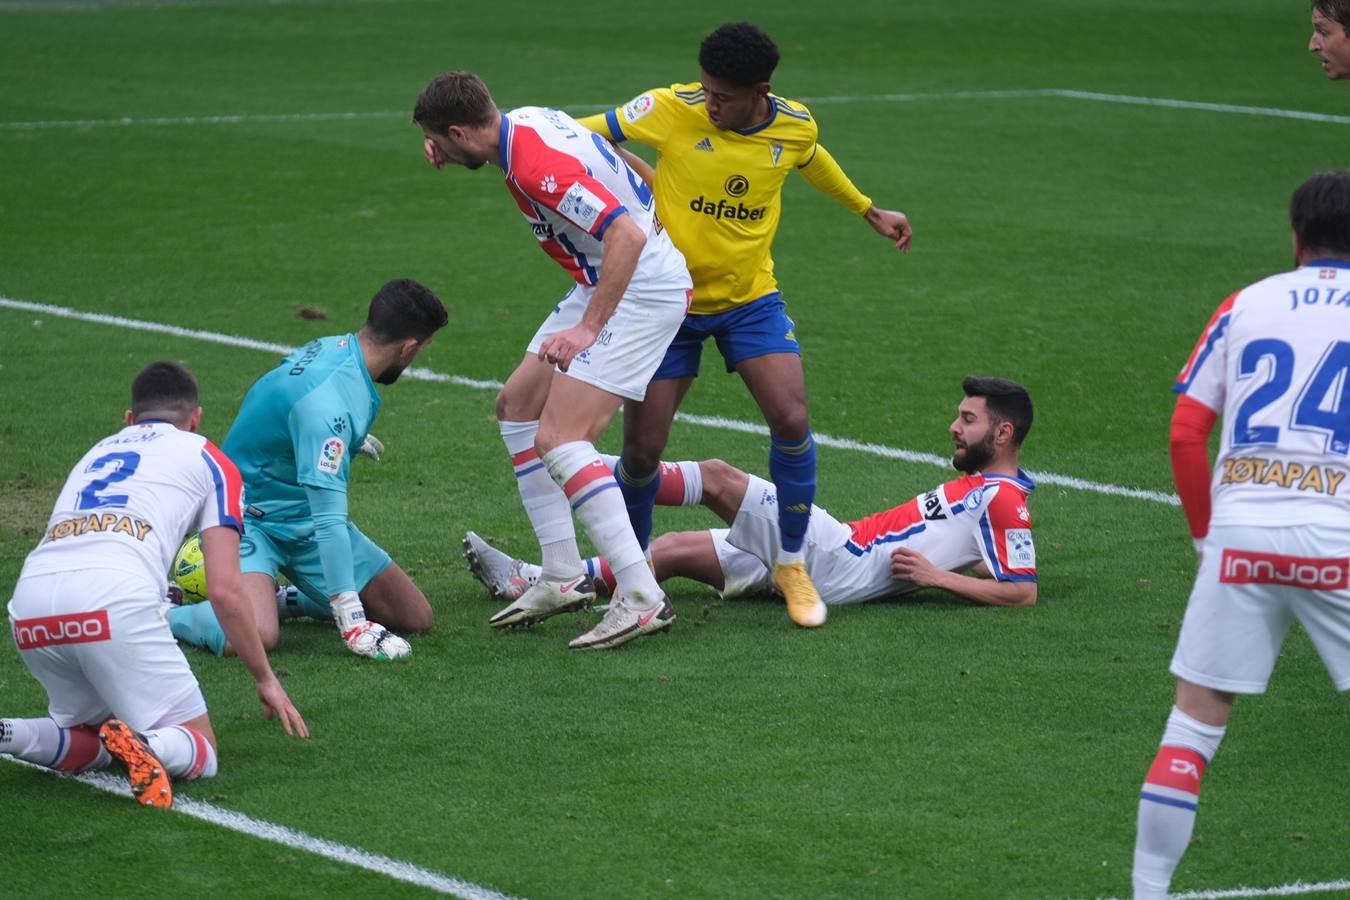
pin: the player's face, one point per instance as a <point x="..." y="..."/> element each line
<point x="452" y="150"/>
<point x="973" y="434"/>
<point x="732" y="108"/>
<point x="1331" y="45"/>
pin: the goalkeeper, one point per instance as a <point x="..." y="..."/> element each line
<point x="292" y="442"/>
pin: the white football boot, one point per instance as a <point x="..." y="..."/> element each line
<point x="544" y="599"/>
<point x="622" y="623"/>
<point x="505" y="576"/>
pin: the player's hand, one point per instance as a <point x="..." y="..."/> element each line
<point x="433" y="154"/>
<point x="561" y="348"/>
<point x="277" y="704"/>
<point x="372" y="447"/>
<point x="374" y="641"/>
<point x="912" y="566"/>
<point x="891" y="225"/>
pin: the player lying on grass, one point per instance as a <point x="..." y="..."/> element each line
<point x="87" y="609"/>
<point x="978" y="521"/>
<point x="292" y="440"/>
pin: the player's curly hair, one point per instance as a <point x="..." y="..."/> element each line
<point x="1319" y="212"/>
<point x="454" y="98"/>
<point x="405" y="309"/>
<point x="740" y="53"/>
<point x="1007" y="401"/>
<point x="1337" y="11"/>
<point x="163" y="390"/>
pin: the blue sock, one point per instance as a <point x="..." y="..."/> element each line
<point x="792" y="466"/>
<point x="639" y="495"/>
<point x="196" y="624"/>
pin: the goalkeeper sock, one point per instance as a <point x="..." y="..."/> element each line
<point x="44" y="743"/>
<point x="545" y="504"/>
<point x="1168" y="801"/>
<point x="185" y="752"/>
<point x="792" y="465"/>
<point x="197" y="625"/>
<point x="639" y="496"/>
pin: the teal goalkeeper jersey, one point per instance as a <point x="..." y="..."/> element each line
<point x="299" y="425"/>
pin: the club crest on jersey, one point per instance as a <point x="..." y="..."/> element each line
<point x="581" y="206"/>
<point x="638" y="107"/>
<point x="775" y="151"/>
<point x="330" y="456"/>
<point x="972" y="500"/>
<point x="1021" y="551"/>
<point x="548" y="184"/>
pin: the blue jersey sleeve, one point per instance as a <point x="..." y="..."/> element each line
<point x="321" y="433"/>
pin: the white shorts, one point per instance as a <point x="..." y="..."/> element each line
<point x="632" y="344"/>
<point x="1252" y="582"/>
<point x="101" y="647"/>
<point x="840" y="575"/>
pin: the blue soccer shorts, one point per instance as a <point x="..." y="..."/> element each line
<point x="290" y="548"/>
<point x="754" y="329"/>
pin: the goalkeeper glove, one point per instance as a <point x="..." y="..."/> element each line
<point x="371" y="447"/>
<point x="365" y="638"/>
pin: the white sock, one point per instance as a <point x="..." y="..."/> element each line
<point x="594" y="494"/>
<point x="545" y="504"/>
<point x="44" y="743"/>
<point x="186" y="753"/>
<point x="1168" y="801"/>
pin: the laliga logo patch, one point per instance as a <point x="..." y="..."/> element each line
<point x="330" y="456"/>
<point x="639" y="107"/>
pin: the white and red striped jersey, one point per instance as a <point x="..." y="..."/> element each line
<point x="570" y="185"/>
<point x="1275" y="361"/>
<point x="131" y="499"/>
<point x="971" y="519"/>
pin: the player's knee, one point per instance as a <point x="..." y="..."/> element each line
<point x="788" y="421"/>
<point x="642" y="452"/>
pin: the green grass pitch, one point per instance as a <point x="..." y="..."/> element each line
<point x="925" y="748"/>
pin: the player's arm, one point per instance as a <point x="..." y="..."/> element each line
<point x="648" y="118"/>
<point x="826" y="175"/>
<point x="225" y="587"/>
<point x="644" y="169"/>
<point x="623" y="242"/>
<point x="910" y="565"/>
<point x="1188" y="446"/>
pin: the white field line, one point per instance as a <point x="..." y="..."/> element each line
<point x="295" y="840"/>
<point x="1062" y="93"/>
<point x="1279" y="890"/>
<point x="717" y="422"/>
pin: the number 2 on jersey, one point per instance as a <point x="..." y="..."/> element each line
<point x="1322" y="402"/>
<point x="113" y="467"/>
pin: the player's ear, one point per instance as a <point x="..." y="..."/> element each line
<point x="129" y="418"/>
<point x="1003" y="433"/>
<point x="194" y="420"/>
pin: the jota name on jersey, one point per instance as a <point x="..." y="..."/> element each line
<point x="1256" y="470"/>
<point x="724" y="210"/>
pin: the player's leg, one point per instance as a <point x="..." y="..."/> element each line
<point x="1230" y="638"/>
<point x="646" y="428"/>
<point x="1171" y="792"/>
<point x="760" y="344"/>
<point x="394" y="600"/>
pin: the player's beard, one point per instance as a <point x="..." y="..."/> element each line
<point x="389" y="375"/>
<point x="974" y="457"/>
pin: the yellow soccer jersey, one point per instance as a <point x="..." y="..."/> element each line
<point x="719" y="192"/>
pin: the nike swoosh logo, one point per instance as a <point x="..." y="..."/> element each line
<point x="643" y="620"/>
<point x="571" y="586"/>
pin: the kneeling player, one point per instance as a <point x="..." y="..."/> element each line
<point x="978" y="521"/>
<point x="87" y="609"/>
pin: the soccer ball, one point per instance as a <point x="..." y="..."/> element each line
<point x="189" y="570"/>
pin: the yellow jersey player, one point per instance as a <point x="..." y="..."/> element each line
<point x="725" y="146"/>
